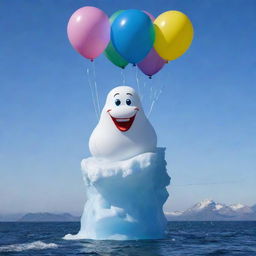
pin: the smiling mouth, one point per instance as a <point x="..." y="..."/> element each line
<point x="123" y="124"/>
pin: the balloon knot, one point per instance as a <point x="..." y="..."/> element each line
<point x="134" y="64"/>
<point x="150" y="77"/>
<point x="91" y="60"/>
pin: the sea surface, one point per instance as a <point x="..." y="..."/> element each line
<point x="183" y="238"/>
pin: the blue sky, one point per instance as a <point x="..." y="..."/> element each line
<point x="205" y="116"/>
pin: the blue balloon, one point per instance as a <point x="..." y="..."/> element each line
<point x="133" y="35"/>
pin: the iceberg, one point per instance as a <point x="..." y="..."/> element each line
<point x="124" y="198"/>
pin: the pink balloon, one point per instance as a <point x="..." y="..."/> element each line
<point x="89" y="31"/>
<point x="150" y="16"/>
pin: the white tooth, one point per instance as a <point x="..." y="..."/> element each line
<point x="123" y="120"/>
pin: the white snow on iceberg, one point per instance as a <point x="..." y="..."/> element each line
<point x="125" y="198"/>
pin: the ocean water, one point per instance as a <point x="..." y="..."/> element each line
<point x="183" y="238"/>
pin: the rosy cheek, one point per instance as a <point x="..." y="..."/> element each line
<point x="108" y="110"/>
<point x="136" y="109"/>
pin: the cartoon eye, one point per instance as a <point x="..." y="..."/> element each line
<point x="117" y="102"/>
<point x="128" y="102"/>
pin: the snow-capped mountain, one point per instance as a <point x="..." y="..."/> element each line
<point x="254" y="208"/>
<point x="241" y="208"/>
<point x="209" y="210"/>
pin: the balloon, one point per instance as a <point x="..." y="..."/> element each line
<point x="174" y="34"/>
<point x="150" y="16"/>
<point x="153" y="62"/>
<point x="132" y="34"/>
<point x="110" y="51"/>
<point x="89" y="31"/>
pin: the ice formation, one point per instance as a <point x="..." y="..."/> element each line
<point x="126" y="176"/>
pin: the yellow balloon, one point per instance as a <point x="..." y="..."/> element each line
<point x="174" y="34"/>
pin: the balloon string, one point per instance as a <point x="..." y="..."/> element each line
<point x="144" y="90"/>
<point x="151" y="108"/>
<point x="96" y="89"/>
<point x="155" y="99"/>
<point x="151" y="93"/>
<point x="92" y="94"/>
<point x="137" y="80"/>
<point x="159" y="93"/>
<point x="122" y="77"/>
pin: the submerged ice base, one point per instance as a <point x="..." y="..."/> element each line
<point x="124" y="198"/>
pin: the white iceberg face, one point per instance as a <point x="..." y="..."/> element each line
<point x="123" y="130"/>
<point x="125" y="198"/>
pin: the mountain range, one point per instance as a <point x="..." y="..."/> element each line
<point x="40" y="217"/>
<point x="48" y="217"/>
<point x="206" y="210"/>
<point x="209" y="210"/>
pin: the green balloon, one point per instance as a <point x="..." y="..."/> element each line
<point x="114" y="15"/>
<point x="110" y="52"/>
